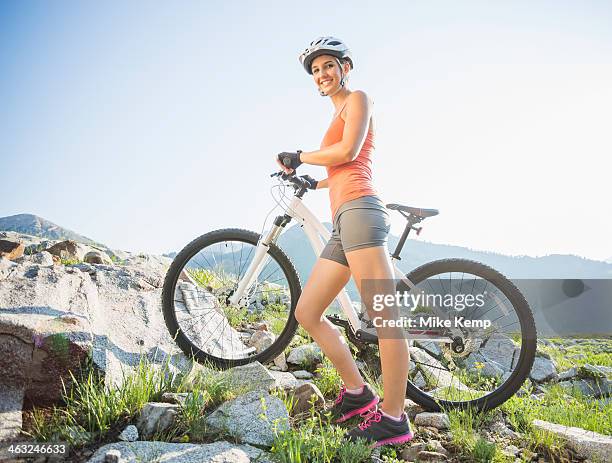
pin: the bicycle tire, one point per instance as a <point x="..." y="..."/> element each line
<point x="171" y="279"/>
<point x="528" y="335"/>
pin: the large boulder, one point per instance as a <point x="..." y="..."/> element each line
<point x="53" y="317"/>
<point x="69" y="250"/>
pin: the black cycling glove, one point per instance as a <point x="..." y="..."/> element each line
<point x="311" y="181"/>
<point x="290" y="160"/>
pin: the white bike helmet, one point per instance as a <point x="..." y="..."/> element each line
<point x="325" y="46"/>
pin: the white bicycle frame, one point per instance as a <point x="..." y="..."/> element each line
<point x="318" y="235"/>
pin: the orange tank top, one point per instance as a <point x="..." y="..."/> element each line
<point x="352" y="179"/>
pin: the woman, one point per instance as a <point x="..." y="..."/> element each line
<point x="357" y="247"/>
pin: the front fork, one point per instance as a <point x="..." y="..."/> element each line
<point x="259" y="260"/>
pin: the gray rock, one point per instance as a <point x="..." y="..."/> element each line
<point x="303" y="397"/>
<point x="97" y="257"/>
<point x="435" y="420"/>
<point x="502" y="430"/>
<point x="568" y="374"/>
<point x="6" y="267"/>
<point x="11" y="402"/>
<point x="412" y="408"/>
<point x="592" y="387"/>
<point x="112" y="456"/>
<point x="198" y="311"/>
<point x="252" y="376"/>
<point x="305" y="354"/>
<point x="476" y="363"/>
<point x="502" y="350"/>
<point x="429" y="456"/>
<point x="217" y="452"/>
<point x="129" y="434"/>
<point x="419" y="381"/>
<point x="43" y="258"/>
<point x="511" y="451"/>
<point x="241" y="418"/>
<point x="587" y="444"/>
<point x="302" y="374"/>
<point x="283" y="380"/>
<point x="436" y="446"/>
<point x="410" y="453"/>
<point x="177" y="398"/>
<point x="281" y="362"/>
<point x="432" y="348"/>
<point x="434" y="372"/>
<point x="156" y="417"/>
<point x="57" y="316"/>
<point x="68" y="249"/>
<point x="261" y="340"/>
<point x="543" y="370"/>
<point x="594" y="371"/>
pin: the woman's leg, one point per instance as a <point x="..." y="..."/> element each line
<point x="374" y="263"/>
<point x="326" y="280"/>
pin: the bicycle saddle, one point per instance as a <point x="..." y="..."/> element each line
<point x="419" y="212"/>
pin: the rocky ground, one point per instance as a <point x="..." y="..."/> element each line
<point x="65" y="307"/>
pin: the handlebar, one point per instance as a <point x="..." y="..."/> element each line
<point x="298" y="183"/>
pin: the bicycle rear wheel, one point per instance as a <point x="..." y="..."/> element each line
<point x="199" y="315"/>
<point x="482" y="367"/>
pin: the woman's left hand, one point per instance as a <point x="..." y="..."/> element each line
<point x="283" y="168"/>
<point x="290" y="160"/>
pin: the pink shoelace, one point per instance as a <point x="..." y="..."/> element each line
<point x="340" y="395"/>
<point x="370" y="417"/>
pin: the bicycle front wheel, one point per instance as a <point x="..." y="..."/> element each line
<point x="196" y="300"/>
<point x="481" y="365"/>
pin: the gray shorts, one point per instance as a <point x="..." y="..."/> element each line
<point x="360" y="223"/>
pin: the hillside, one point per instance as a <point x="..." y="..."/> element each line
<point x="30" y="224"/>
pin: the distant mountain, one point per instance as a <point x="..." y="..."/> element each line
<point x="416" y="253"/>
<point x="37" y="226"/>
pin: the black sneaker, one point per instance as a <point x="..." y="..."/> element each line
<point x="381" y="430"/>
<point x="348" y="405"/>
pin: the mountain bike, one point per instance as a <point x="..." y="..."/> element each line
<point x="229" y="299"/>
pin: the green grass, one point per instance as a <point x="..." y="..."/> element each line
<point x="93" y="407"/>
<point x="566" y="355"/>
<point x="328" y="379"/>
<point x="566" y="407"/>
<point x="464" y="427"/>
<point x="316" y="440"/>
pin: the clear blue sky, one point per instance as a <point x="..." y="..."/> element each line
<point x="145" y="124"/>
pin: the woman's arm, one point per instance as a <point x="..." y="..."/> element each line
<point x="322" y="184"/>
<point x="358" y="113"/>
